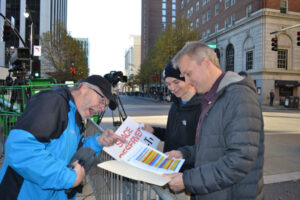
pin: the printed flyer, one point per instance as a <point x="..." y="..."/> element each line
<point x="141" y="154"/>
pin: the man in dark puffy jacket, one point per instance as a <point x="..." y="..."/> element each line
<point x="41" y="145"/>
<point x="229" y="144"/>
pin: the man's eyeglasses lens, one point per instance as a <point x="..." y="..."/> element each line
<point x="102" y="101"/>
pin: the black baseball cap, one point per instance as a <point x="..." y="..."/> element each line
<point x="104" y="86"/>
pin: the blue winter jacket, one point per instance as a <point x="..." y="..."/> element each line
<point x="41" y="145"/>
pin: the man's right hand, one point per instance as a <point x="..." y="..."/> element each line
<point x="174" y="154"/>
<point x="80" y="173"/>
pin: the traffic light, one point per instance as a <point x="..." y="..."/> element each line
<point x="274" y="43"/>
<point x="6" y="35"/>
<point x="72" y="68"/>
<point x="298" y="38"/>
<point x="36" y="68"/>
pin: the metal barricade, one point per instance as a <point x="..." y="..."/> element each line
<point x="7" y="121"/>
<point x="110" y="186"/>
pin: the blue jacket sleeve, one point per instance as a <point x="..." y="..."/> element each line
<point x="29" y="158"/>
<point x="93" y="144"/>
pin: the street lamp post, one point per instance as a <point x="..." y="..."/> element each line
<point x="27" y="14"/>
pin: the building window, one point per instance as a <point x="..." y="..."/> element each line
<point x="233" y="19"/>
<point x="164" y="6"/>
<point x="197" y="22"/>
<point x="164" y="1"/>
<point x="204" y="34"/>
<point x="282" y="58"/>
<point x="227" y="23"/>
<point x="208" y="32"/>
<point x="164" y="12"/>
<point x="191" y="26"/>
<point x="203" y="2"/>
<point x="249" y="60"/>
<point x="173" y="1"/>
<point x="163" y="26"/>
<point x="233" y="2"/>
<point x="216" y="27"/>
<point x="174" y="6"/>
<point x="249" y="10"/>
<point x="229" y="58"/>
<point x="173" y="19"/>
<point x="164" y="19"/>
<point x="208" y="15"/>
<point x="182" y="4"/>
<point x="188" y="1"/>
<point x="226" y="4"/>
<point x="283" y="6"/>
<point x="203" y="18"/>
<point x="216" y="9"/>
<point x="173" y="13"/>
<point x="197" y="6"/>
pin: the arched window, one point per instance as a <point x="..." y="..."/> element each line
<point x="229" y="58"/>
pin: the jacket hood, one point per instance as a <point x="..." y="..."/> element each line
<point x="232" y="78"/>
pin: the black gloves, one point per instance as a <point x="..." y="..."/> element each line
<point x="86" y="158"/>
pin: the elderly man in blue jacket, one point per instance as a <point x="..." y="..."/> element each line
<point x="41" y="145"/>
<point x="229" y="145"/>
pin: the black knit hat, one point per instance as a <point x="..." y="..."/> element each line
<point x="104" y="86"/>
<point x="171" y="72"/>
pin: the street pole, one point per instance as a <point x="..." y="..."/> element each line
<point x="31" y="47"/>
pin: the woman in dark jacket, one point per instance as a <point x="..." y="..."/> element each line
<point x="183" y="115"/>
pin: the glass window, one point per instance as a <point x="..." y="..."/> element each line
<point x="207" y="32"/>
<point x="197" y="22"/>
<point x="173" y="13"/>
<point x="174" y="6"/>
<point x="163" y="19"/>
<point x="216" y="9"/>
<point x="173" y="1"/>
<point x="191" y="25"/>
<point x="164" y="0"/>
<point x="282" y="58"/>
<point x="233" y="18"/>
<point x="249" y="60"/>
<point x="164" y="12"/>
<point x="197" y="6"/>
<point x="173" y="19"/>
<point x="203" y="2"/>
<point x="203" y="18"/>
<point x="229" y="58"/>
<point x="226" y="22"/>
<point x="233" y="2"/>
<point x="208" y="15"/>
<point x="204" y="34"/>
<point x="216" y="27"/>
<point x="164" y="6"/>
<point x="283" y="6"/>
<point x="226" y="4"/>
<point x="192" y="10"/>
<point x="163" y="26"/>
<point x="249" y="10"/>
<point x="182" y="4"/>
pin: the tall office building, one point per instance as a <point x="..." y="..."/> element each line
<point x="86" y="48"/>
<point x="156" y="14"/>
<point x="241" y="32"/>
<point x="44" y="14"/>
<point x="133" y="57"/>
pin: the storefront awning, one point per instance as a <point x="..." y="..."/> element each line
<point x="286" y="83"/>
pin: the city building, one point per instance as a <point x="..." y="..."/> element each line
<point x="42" y="16"/>
<point x="156" y="14"/>
<point x="241" y="32"/>
<point x="133" y="57"/>
<point x="85" y="46"/>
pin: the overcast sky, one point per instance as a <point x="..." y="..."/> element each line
<point x="108" y="26"/>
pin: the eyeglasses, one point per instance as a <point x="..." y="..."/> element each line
<point x="102" y="99"/>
